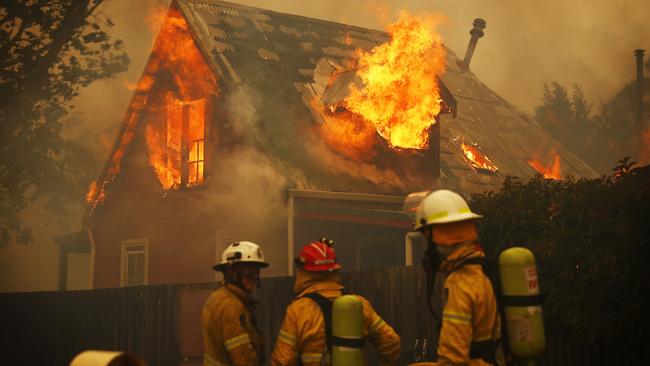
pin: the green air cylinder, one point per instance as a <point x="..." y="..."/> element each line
<point x="523" y="310"/>
<point x="347" y="331"/>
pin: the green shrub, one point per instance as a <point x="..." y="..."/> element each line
<point x="591" y="241"/>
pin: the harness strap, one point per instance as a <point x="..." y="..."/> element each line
<point x="325" y="305"/>
<point x="485" y="350"/>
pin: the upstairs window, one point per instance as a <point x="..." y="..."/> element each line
<point x="176" y="142"/>
<point x="186" y="141"/>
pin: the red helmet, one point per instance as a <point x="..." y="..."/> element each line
<point x="318" y="257"/>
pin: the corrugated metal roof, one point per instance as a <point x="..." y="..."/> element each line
<point x="276" y="55"/>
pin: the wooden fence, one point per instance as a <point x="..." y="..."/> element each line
<point x="50" y="328"/>
<point x="161" y="323"/>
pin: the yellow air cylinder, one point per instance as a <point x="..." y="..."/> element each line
<point x="347" y="331"/>
<point x="521" y="299"/>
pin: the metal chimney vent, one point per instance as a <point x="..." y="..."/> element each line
<point x="476" y="33"/>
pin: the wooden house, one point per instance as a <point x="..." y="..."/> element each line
<point x="226" y="138"/>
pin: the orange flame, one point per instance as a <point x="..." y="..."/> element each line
<point x="477" y="158"/>
<point x="92" y="192"/>
<point x="400" y="96"/>
<point x="97" y="190"/>
<point x="399" y="99"/>
<point x="183" y="81"/>
<point x="552" y="171"/>
<point x="177" y="72"/>
<point x="347" y="133"/>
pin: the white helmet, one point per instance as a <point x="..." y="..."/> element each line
<point x="441" y="207"/>
<point x="241" y="252"/>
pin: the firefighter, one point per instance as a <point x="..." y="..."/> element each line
<point x="464" y="305"/>
<point x="230" y="333"/>
<point x="302" y="339"/>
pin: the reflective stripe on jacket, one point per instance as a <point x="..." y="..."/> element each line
<point x="303" y="330"/>
<point x="229" y="335"/>
<point x="469" y="313"/>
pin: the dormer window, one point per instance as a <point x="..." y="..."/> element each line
<point x="177" y="146"/>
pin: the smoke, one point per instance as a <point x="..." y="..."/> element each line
<point x="336" y="164"/>
<point x="241" y="105"/>
<point x="32" y="267"/>
<point x="249" y="182"/>
<point x="526" y="44"/>
<point x="100" y="108"/>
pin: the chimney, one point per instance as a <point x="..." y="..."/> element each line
<point x="639" y="87"/>
<point x="476" y="32"/>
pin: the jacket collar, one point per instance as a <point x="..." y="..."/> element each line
<point x="241" y="294"/>
<point x="322" y="286"/>
<point x="460" y="255"/>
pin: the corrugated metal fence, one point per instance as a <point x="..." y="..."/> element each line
<point x="161" y="323"/>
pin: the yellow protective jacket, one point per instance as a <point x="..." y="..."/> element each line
<point x="469" y="312"/>
<point x="302" y="334"/>
<point x="230" y="336"/>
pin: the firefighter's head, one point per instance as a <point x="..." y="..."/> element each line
<point x="318" y="256"/>
<point x="241" y="263"/>
<point x="316" y="262"/>
<point x="446" y="221"/>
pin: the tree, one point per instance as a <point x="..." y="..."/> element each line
<point x="568" y="119"/>
<point x="618" y="133"/>
<point x="597" y="138"/>
<point x="48" y="51"/>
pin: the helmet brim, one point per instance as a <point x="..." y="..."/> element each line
<point x="449" y="219"/>
<point x="322" y="268"/>
<point x="222" y="266"/>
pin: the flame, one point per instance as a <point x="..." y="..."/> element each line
<point x="400" y="96"/>
<point x="92" y="192"/>
<point x="399" y="99"/>
<point x="477" y="158"/>
<point x="182" y="80"/>
<point x="347" y="133"/>
<point x="552" y="171"/>
<point x="97" y="190"/>
<point x="175" y="73"/>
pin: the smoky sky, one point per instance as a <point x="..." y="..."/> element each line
<point x="526" y="44"/>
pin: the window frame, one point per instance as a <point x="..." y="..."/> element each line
<point x="195" y="164"/>
<point x="125" y="245"/>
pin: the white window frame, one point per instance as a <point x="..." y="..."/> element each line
<point x="126" y="244"/>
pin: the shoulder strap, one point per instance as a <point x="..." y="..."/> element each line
<point x="325" y="305"/>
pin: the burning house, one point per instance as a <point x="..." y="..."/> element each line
<point x="249" y="124"/>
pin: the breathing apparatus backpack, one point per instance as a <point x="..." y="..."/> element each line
<point x="343" y="328"/>
<point x="516" y="288"/>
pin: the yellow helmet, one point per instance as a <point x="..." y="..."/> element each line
<point x="442" y="207"/>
